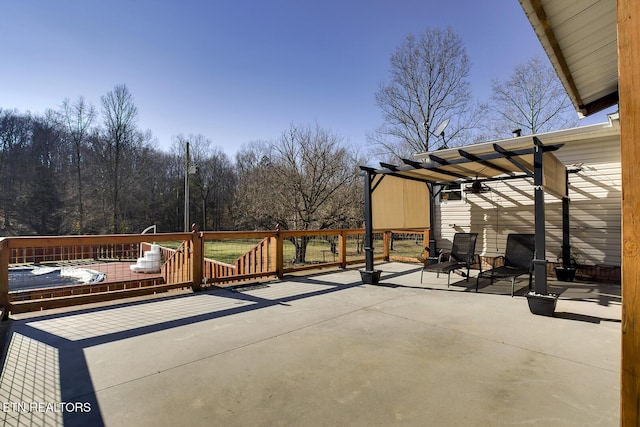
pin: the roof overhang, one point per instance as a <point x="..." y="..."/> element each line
<point x="580" y="38"/>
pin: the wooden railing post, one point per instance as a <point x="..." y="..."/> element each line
<point x="425" y="242"/>
<point x="342" y="249"/>
<point x="197" y="260"/>
<point x="279" y="253"/>
<point x="386" y="245"/>
<point x="4" y="278"/>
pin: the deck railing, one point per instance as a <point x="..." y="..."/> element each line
<point x="189" y="260"/>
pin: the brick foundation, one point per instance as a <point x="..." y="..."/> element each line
<point x="591" y="273"/>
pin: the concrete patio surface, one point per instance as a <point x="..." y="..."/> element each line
<point x="322" y="350"/>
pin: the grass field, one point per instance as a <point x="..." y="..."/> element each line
<point x="227" y="251"/>
<point x="318" y="249"/>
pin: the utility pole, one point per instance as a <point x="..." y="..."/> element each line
<point x="186" y="189"/>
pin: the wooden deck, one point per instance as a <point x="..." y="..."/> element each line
<point x="118" y="278"/>
<point x="119" y="271"/>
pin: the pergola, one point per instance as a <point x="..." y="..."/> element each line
<point x="525" y="158"/>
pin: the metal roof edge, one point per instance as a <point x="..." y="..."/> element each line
<point x="609" y="128"/>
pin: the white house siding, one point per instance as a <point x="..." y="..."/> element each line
<point x="595" y="208"/>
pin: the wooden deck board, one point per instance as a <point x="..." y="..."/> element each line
<point x="119" y="271"/>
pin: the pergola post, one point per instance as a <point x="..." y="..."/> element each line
<point x="539" y="258"/>
<point x="432" y="213"/>
<point x="369" y="276"/>
<point x="566" y="244"/>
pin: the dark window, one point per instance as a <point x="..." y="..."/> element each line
<point x="451" y="192"/>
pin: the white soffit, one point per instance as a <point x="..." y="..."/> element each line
<point x="580" y="38"/>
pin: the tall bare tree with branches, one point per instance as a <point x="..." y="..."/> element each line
<point x="77" y="119"/>
<point x="120" y="123"/>
<point x="532" y="100"/>
<point x="428" y="85"/>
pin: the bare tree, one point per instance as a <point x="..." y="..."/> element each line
<point x="253" y="197"/>
<point x="120" y="117"/>
<point x="305" y="180"/>
<point x="39" y="203"/>
<point x="532" y="100"/>
<point x="215" y="181"/>
<point x="77" y="119"/>
<point x="15" y="136"/>
<point x="428" y="85"/>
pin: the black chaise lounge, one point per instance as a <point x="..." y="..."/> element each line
<point x="517" y="261"/>
<point x="462" y="256"/>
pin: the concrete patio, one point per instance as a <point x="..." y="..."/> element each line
<point x="322" y="350"/>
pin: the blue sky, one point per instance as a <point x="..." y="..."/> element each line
<point x="238" y="71"/>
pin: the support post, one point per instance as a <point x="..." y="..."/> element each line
<point x="197" y="260"/>
<point x="4" y="278"/>
<point x="629" y="89"/>
<point x="369" y="275"/>
<point x="368" y="222"/>
<point x="433" y="250"/>
<point x="342" y="249"/>
<point x="279" y="252"/>
<point x="566" y="244"/>
<point x="539" y="258"/>
<point x="426" y="237"/>
<point x="386" y="250"/>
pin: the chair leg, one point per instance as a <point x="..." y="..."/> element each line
<point x="477" y="280"/>
<point x="513" y="285"/>
<point x="421" y="274"/>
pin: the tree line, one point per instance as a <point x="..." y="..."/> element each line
<point x="78" y="169"/>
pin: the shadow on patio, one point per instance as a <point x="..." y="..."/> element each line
<point x="320" y="349"/>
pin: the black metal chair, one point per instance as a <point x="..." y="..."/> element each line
<point x="517" y="261"/>
<point x="462" y="256"/>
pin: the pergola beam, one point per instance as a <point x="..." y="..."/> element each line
<point x="509" y="156"/>
<point x="444" y="162"/>
<point x="418" y="165"/>
<point x="474" y="158"/>
<point x="388" y="166"/>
